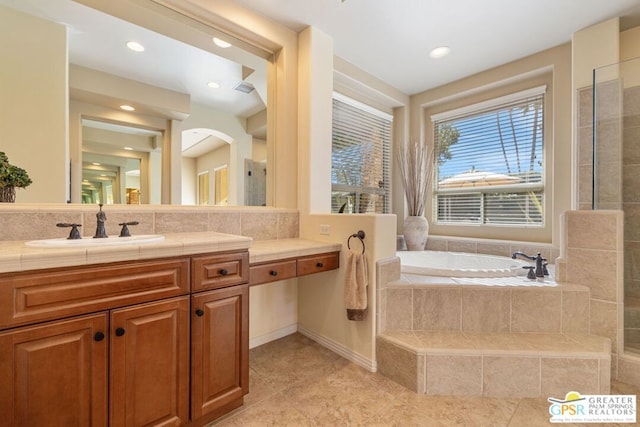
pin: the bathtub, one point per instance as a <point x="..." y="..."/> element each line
<point x="459" y="264"/>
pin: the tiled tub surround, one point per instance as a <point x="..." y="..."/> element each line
<point x="441" y="337"/>
<point x="572" y="325"/>
<point x="484" y="246"/>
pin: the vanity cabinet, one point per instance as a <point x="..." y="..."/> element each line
<point x="155" y="342"/>
<point x="266" y="272"/>
<point x="219" y="351"/>
<point x="125" y="344"/>
<point x="149" y="364"/>
<point x="55" y="373"/>
<point x="219" y="271"/>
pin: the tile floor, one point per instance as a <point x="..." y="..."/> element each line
<point x="296" y="382"/>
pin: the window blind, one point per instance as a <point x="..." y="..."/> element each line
<point x="360" y="157"/>
<point x="489" y="164"/>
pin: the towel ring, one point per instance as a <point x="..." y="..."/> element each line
<point x="359" y="235"/>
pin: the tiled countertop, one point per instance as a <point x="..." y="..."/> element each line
<point x="16" y="256"/>
<point x="272" y="250"/>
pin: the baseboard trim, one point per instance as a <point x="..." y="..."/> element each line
<point x="340" y="349"/>
<point x="273" y="335"/>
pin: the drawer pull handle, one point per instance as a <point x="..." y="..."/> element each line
<point x="120" y="332"/>
<point x="223" y="272"/>
<point x="199" y="312"/>
<point x="99" y="336"/>
<point x="319" y="265"/>
<point x="273" y="273"/>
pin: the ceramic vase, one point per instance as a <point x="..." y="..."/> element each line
<point x="416" y="232"/>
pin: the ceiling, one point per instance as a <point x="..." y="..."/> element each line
<point x="392" y="39"/>
<point x="389" y="39"/>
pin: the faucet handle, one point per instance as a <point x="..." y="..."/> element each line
<point x="74" y="234"/>
<point x="125" y="229"/>
<point x="545" y="271"/>
<point x="530" y="274"/>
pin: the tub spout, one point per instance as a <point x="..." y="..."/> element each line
<point x="541" y="263"/>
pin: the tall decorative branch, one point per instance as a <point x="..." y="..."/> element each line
<point x="415" y="161"/>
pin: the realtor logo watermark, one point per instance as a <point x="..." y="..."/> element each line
<point x="596" y="408"/>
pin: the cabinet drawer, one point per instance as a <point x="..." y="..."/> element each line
<point x="56" y="293"/>
<point x="317" y="263"/>
<point x="220" y="271"/>
<point x="273" y="271"/>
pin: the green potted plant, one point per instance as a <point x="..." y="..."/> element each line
<point x="11" y="177"/>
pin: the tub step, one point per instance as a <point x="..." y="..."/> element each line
<point x="495" y="364"/>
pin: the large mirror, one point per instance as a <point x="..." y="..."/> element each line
<point x="197" y="131"/>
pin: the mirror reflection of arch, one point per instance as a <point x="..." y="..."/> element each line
<point x="221" y="168"/>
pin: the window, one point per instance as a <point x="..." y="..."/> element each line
<point x="360" y="156"/>
<point x="489" y="162"/>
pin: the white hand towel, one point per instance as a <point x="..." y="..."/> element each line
<point x="355" y="286"/>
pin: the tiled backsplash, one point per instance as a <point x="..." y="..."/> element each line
<point x="35" y="221"/>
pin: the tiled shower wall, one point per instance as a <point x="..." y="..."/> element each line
<point x="31" y="222"/>
<point x="617" y="179"/>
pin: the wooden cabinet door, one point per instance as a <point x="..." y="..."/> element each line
<point x="55" y="374"/>
<point x="150" y="364"/>
<point x="219" y="350"/>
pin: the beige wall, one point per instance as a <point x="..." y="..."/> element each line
<point x="34" y="61"/>
<point x="273" y="311"/>
<point x="552" y="67"/>
<point x="315" y="87"/>
<point x="321" y="311"/>
<point x="629" y="56"/>
<point x="594" y="47"/>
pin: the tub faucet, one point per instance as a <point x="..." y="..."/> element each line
<point x="541" y="263"/>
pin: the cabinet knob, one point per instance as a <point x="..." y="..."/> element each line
<point x="199" y="312"/>
<point x="99" y="336"/>
<point x="120" y="332"/>
<point x="273" y="273"/>
<point x="319" y="265"/>
<point x="223" y="272"/>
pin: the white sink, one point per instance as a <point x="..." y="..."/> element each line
<point x="91" y="242"/>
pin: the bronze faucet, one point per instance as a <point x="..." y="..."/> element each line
<point x="101" y="217"/>
<point x="541" y="263"/>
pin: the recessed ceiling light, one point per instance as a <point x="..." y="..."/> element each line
<point x="135" y="46"/>
<point x="440" y="52"/>
<point x="127" y="108"/>
<point x="221" y="43"/>
<point x="95" y="164"/>
<point x="213" y="85"/>
<point x="128" y="148"/>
